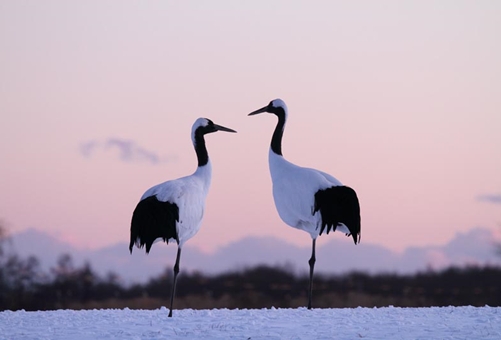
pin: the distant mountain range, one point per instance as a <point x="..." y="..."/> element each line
<point x="335" y="257"/>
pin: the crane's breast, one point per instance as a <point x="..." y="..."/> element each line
<point x="191" y="212"/>
<point x="294" y="189"/>
<point x="294" y="199"/>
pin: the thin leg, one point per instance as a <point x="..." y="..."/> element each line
<point x="176" y="271"/>
<point x="312" y="265"/>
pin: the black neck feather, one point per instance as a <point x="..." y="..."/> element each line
<point x="200" y="149"/>
<point x="276" y="140"/>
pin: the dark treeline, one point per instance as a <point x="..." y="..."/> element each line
<point x="24" y="286"/>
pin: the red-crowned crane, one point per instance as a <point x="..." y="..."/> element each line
<point x="173" y="210"/>
<point x="308" y="199"/>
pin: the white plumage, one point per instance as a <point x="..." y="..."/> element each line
<point x="308" y="199"/>
<point x="189" y="194"/>
<point x="294" y="189"/>
<point x="173" y="210"/>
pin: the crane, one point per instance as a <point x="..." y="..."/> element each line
<point x="173" y="210"/>
<point x="308" y="199"/>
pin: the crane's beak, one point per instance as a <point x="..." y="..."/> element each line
<point x="222" y="128"/>
<point x="261" y="110"/>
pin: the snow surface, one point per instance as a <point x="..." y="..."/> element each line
<point x="358" y="323"/>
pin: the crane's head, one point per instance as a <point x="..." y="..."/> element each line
<point x="203" y="126"/>
<point x="276" y="107"/>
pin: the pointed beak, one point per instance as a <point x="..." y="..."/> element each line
<point x="261" y="110"/>
<point x="222" y="128"/>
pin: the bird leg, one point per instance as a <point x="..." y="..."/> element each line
<point x="176" y="271"/>
<point x="312" y="264"/>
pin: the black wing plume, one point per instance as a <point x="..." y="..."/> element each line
<point x="153" y="219"/>
<point x="339" y="204"/>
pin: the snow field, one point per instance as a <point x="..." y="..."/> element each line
<point x="254" y="324"/>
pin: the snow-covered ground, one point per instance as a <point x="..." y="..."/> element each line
<point x="357" y="323"/>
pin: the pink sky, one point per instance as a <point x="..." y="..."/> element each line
<point x="401" y="101"/>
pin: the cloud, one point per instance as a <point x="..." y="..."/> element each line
<point x="128" y="151"/>
<point x="492" y="198"/>
<point x="473" y="247"/>
<point x="88" y="148"/>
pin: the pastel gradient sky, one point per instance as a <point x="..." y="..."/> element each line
<point x="399" y="100"/>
